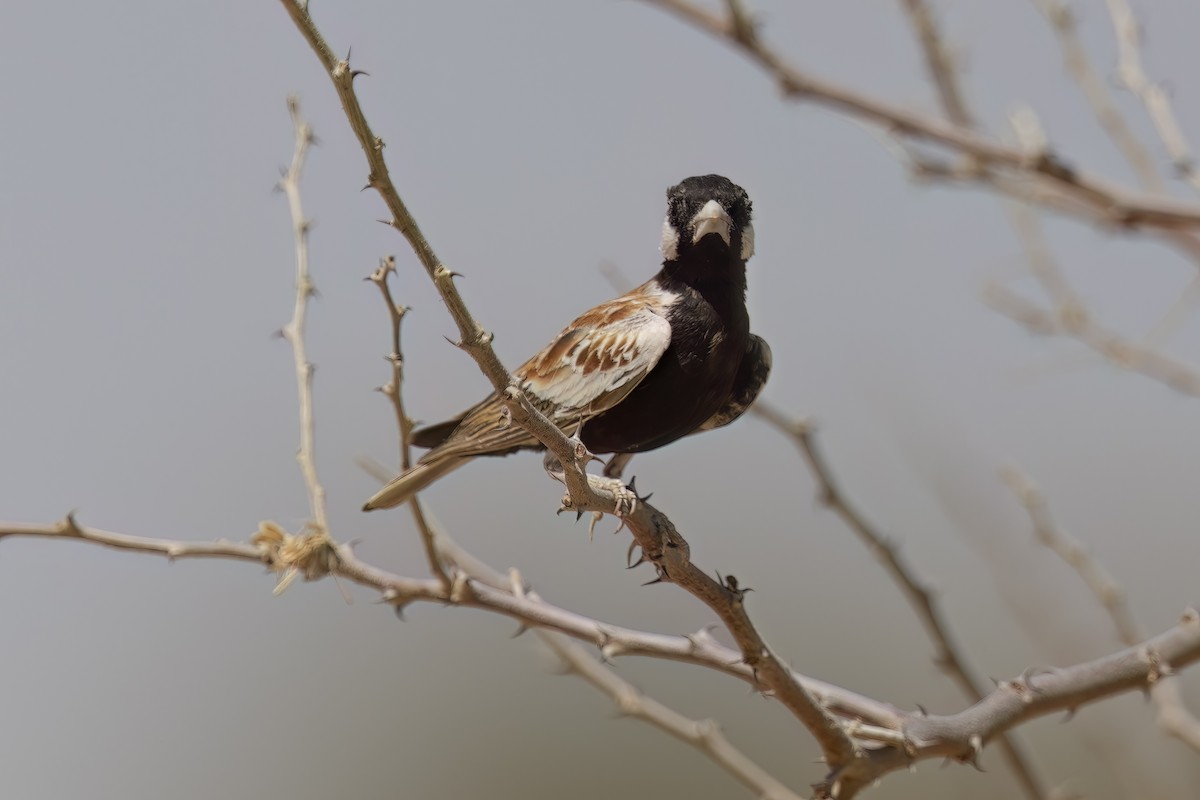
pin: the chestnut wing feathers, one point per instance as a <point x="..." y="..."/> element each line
<point x="589" y="368"/>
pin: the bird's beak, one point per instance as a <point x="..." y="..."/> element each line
<point x="713" y="218"/>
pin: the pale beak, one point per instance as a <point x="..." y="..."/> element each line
<point x="713" y="218"/>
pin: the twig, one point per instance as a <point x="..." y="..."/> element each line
<point x="1071" y="319"/>
<point x="404" y="425"/>
<point x="294" y="330"/>
<point x="938" y="62"/>
<point x="392" y="389"/>
<point x="1065" y="26"/>
<point x="1154" y="98"/>
<point x="1093" y="198"/>
<point x="1172" y="712"/>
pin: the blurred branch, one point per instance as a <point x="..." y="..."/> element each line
<point x="1172" y="712"/>
<point x="294" y="330"/>
<point x="940" y="67"/>
<point x="947" y="652"/>
<point x="1070" y="318"/>
<point x="404" y="425"/>
<point x="938" y="62"/>
<point x="1092" y="198"/>
<point x="1065" y="26"/>
<point x="1154" y="98"/>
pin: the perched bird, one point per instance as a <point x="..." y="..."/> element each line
<point x="672" y="357"/>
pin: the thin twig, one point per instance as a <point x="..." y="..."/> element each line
<point x="938" y="62"/>
<point x="1171" y="709"/>
<point x="1071" y="319"/>
<point x="1154" y="98"/>
<point x="393" y="390"/>
<point x="294" y="330"/>
<point x="1065" y="26"/>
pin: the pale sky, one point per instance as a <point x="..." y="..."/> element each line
<point x="145" y="263"/>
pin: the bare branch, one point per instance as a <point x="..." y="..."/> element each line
<point x="1091" y="197"/>
<point x="294" y="330"/>
<point x="938" y="62"/>
<point x="404" y="425"/>
<point x="1152" y="95"/>
<point x="959" y="736"/>
<point x="704" y="735"/>
<point x="947" y="652"/>
<point x="172" y="549"/>
<point x="1065" y="25"/>
<point x="1071" y="319"/>
<point x="1172" y="712"/>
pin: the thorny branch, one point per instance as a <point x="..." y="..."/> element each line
<point x="948" y="655"/>
<point x="1153" y="96"/>
<point x="404" y="424"/>
<point x="902" y="738"/>
<point x="294" y="330"/>
<point x="1173" y="715"/>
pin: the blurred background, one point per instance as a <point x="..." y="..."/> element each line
<point x="145" y="264"/>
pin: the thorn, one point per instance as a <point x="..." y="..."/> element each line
<point x="400" y="613"/>
<point x="354" y="73"/>
<point x="976" y="742"/>
<point x="923" y="710"/>
<point x="578" y="515"/>
<point x="522" y="628"/>
<point x="629" y="562"/>
<point x="651" y="583"/>
<point x="596" y="517"/>
<point x="70" y="526"/>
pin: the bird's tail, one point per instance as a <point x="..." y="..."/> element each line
<point x="413" y="480"/>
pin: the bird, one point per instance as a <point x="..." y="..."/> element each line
<point x="674" y="356"/>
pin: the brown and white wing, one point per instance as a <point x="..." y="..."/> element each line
<point x="590" y="367"/>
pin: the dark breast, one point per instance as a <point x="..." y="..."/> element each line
<point x="689" y="384"/>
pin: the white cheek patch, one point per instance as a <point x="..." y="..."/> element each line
<point x="670" y="241"/>
<point x="747" y="242"/>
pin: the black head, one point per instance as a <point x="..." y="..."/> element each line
<point x="708" y="214"/>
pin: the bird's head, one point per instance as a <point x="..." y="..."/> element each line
<point x="707" y="215"/>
